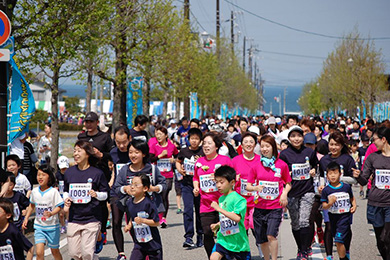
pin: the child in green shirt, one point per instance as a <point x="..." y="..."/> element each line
<point x="232" y="239"/>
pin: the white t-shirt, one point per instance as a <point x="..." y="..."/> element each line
<point x="22" y="184"/>
<point x="46" y="200"/>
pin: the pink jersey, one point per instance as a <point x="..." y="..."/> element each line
<point x="204" y="174"/>
<point x="272" y="183"/>
<point x="163" y="164"/>
<point x="152" y="141"/>
<point x="243" y="168"/>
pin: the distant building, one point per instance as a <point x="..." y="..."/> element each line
<point x="42" y="96"/>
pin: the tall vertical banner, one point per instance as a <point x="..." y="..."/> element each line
<point x="134" y="100"/>
<point x="22" y="104"/>
<point x="224" y="111"/>
<point x="194" y="105"/>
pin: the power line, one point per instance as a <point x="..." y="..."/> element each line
<point x="300" y="30"/>
<point x="294" y="55"/>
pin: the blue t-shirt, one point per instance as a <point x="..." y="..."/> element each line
<point x="146" y="206"/>
<point x="344" y="196"/>
<point x="91" y="211"/>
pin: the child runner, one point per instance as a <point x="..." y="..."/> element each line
<point x="232" y="240"/>
<point x="14" y="165"/>
<point x="143" y="221"/>
<point x="20" y="202"/>
<point x="185" y="164"/>
<point x="338" y="198"/>
<point x="47" y="202"/>
<point x="12" y="241"/>
<point x="63" y="165"/>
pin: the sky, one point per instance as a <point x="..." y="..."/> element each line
<point x="288" y="57"/>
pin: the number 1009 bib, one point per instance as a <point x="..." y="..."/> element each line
<point x="79" y="192"/>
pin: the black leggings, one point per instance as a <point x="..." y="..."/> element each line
<point x="104" y="208"/>
<point x="207" y="219"/>
<point x="328" y="239"/>
<point x="165" y="195"/>
<point x="117" y="234"/>
<point x="315" y="216"/>
<point x="382" y="235"/>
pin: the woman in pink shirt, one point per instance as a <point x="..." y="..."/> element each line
<point x="270" y="175"/>
<point x="204" y="185"/>
<point x="243" y="165"/>
<point x="162" y="153"/>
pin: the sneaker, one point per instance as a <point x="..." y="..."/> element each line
<point x="179" y="211"/>
<point x="199" y="241"/>
<point x="188" y="243"/>
<point x="63" y="230"/>
<point x="99" y="245"/>
<point x="108" y="226"/>
<point x="361" y="193"/>
<point x="105" y="238"/>
<point x="299" y="256"/>
<point x="329" y="257"/>
<point x="163" y="223"/>
<point x="310" y="251"/>
<point x="304" y="256"/>
<point x="348" y="255"/>
<point x="285" y="215"/>
<point x="320" y="235"/>
<point x="121" y="257"/>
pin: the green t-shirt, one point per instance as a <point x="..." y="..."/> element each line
<point x="234" y="238"/>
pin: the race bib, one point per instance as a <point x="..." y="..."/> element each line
<point x="178" y="175"/>
<point x="129" y="180"/>
<point x="79" y="192"/>
<point x="300" y="171"/>
<point x="270" y="190"/>
<point x="118" y="167"/>
<point x="382" y="179"/>
<point x="228" y="226"/>
<point x="207" y="183"/>
<point x="40" y="208"/>
<point x="189" y="166"/>
<point x="142" y="233"/>
<point x="7" y="253"/>
<point x="164" y="165"/>
<point x="342" y="203"/>
<point x="243" y="190"/>
<point x="16" y="212"/>
<point x="20" y="189"/>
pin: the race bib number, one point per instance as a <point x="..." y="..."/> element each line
<point x="189" y="166"/>
<point x="207" y="183"/>
<point x="20" y="189"/>
<point x="178" y="175"/>
<point x="142" y="233"/>
<point x="118" y="167"/>
<point x="228" y="226"/>
<point x="342" y="203"/>
<point x="129" y="180"/>
<point x="79" y="192"/>
<point x="6" y="253"/>
<point x="16" y="212"/>
<point x="382" y="179"/>
<point x="61" y="187"/>
<point x="243" y="190"/>
<point x="164" y="165"/>
<point x="270" y="190"/>
<point x="300" y="171"/>
<point x="40" y="208"/>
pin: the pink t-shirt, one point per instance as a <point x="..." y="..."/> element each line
<point x="243" y="168"/>
<point x="272" y="182"/>
<point x="153" y="141"/>
<point x="204" y="174"/>
<point x="163" y="164"/>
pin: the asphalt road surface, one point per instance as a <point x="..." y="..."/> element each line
<point x="363" y="240"/>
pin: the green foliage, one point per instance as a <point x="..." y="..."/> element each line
<point x="39" y="116"/>
<point x="72" y="105"/>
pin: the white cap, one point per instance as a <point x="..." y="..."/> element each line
<point x="63" y="162"/>
<point x="342" y="122"/>
<point x="271" y="120"/>
<point x="254" y="129"/>
<point x="173" y="121"/>
<point x="278" y="120"/>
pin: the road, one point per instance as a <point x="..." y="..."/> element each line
<point x="363" y="240"/>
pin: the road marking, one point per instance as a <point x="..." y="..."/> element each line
<point x="63" y="243"/>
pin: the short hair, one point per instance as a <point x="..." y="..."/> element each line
<point x="339" y="138"/>
<point x="293" y="117"/>
<point x="353" y="142"/>
<point x="383" y="132"/>
<point x="144" y="179"/>
<point x="8" y="207"/>
<point x="333" y="126"/>
<point x="271" y="140"/>
<point x="184" y="118"/>
<point x="196" y="121"/>
<point x="285" y="141"/>
<point x="195" y="131"/>
<point x="216" y="139"/>
<point x="122" y="129"/>
<point x="250" y="135"/>
<point x="13" y="157"/>
<point x="242" y="119"/>
<point x="12" y="179"/>
<point x="309" y="123"/>
<point x="140" y="120"/>
<point x="143" y="147"/>
<point x="226" y="172"/>
<point x="88" y="148"/>
<point x="332" y="166"/>
<point x="162" y="129"/>
<point x="49" y="171"/>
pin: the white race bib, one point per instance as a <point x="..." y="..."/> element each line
<point x="40" y="208"/>
<point x="179" y="177"/>
<point x="342" y="203"/>
<point x="7" y="253"/>
<point x="243" y="189"/>
<point x="189" y="166"/>
<point x="16" y="212"/>
<point x="118" y="167"/>
<point x="142" y="233"/>
<point x="79" y="192"/>
<point x="300" y="171"/>
<point x="228" y="226"/>
<point x="270" y="190"/>
<point x="164" y="165"/>
<point x="207" y="183"/>
<point x="61" y="187"/>
<point x="382" y="179"/>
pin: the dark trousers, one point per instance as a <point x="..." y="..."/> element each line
<point x="208" y="219"/>
<point x="188" y="216"/>
<point x="165" y="195"/>
<point x="117" y="216"/>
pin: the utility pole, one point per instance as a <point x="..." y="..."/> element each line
<point x="218" y="27"/>
<point x="284" y="101"/>
<point x="186" y="96"/>
<point x="250" y="62"/>
<point x="243" y="54"/>
<point x="187" y="9"/>
<point x="232" y="30"/>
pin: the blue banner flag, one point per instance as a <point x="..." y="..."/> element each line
<point x="22" y="104"/>
<point x="194" y="105"/>
<point x="134" y="100"/>
<point x="224" y="111"/>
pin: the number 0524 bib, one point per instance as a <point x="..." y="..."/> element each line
<point x="79" y="192"/>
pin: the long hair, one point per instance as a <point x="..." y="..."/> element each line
<point x="269" y="139"/>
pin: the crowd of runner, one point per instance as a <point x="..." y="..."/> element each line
<point x="233" y="176"/>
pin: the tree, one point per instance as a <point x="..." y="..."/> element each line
<point x="72" y="105"/>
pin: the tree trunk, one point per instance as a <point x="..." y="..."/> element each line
<point x="146" y="90"/>
<point x="166" y="99"/>
<point x="101" y="97"/>
<point x="89" y="87"/>
<point x="187" y="106"/>
<point x="178" y="108"/>
<point x="54" y="118"/>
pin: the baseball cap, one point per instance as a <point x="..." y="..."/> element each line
<point x="294" y="128"/>
<point x="63" y="162"/>
<point x="91" y="116"/>
<point x="271" y="120"/>
<point x="254" y="129"/>
<point x="310" y="138"/>
<point x="173" y="121"/>
<point x="216" y="128"/>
